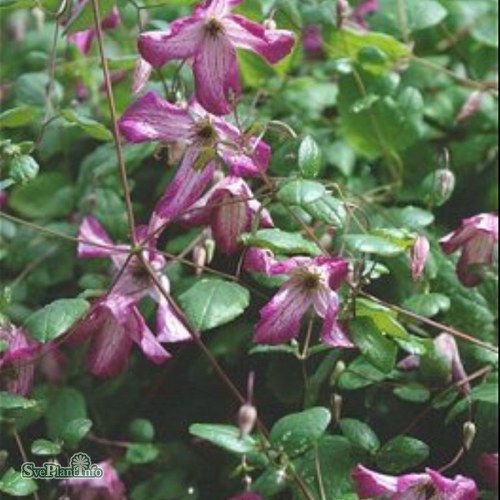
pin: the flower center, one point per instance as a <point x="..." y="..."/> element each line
<point x="205" y="133"/>
<point x="308" y="280"/>
<point x="214" y="28"/>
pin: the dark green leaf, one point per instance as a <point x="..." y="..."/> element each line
<point x="402" y="454"/>
<point x="226" y="437"/>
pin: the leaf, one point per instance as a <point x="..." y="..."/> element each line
<point x="296" y="433"/>
<point x="226" y="437"/>
<point x="141" y="430"/>
<point x="413" y="393"/>
<point x="64" y="407"/>
<point x="30" y="90"/>
<point x="373" y="344"/>
<point x="301" y="192"/>
<point x="281" y="242"/>
<point x="84" y="17"/>
<point x="44" y="447"/>
<point x="360" y="374"/>
<point x="141" y="453"/>
<point x="212" y="302"/>
<point x="402" y="454"/>
<point x="12" y="403"/>
<point x="329" y="210"/>
<point x="56" y="319"/>
<point x="49" y="195"/>
<point x="370" y="244"/>
<point x="75" y="431"/>
<point x="428" y="304"/>
<point x="12" y="483"/>
<point x="91" y="127"/>
<point x="310" y="158"/>
<point x="18" y="117"/>
<point x="360" y="434"/>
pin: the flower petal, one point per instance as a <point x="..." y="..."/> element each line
<point x="170" y="328"/>
<point x="281" y="318"/>
<point x="83" y="40"/>
<point x="370" y="484"/>
<point x="181" y="42"/>
<point x="144" y="338"/>
<point x="488" y="465"/>
<point x="184" y="190"/>
<point x="142" y="72"/>
<point x="95" y="242"/>
<point x="272" y="45"/>
<point x="216" y="75"/>
<point x="459" y="488"/>
<point x="327" y="305"/>
<point x="152" y="118"/>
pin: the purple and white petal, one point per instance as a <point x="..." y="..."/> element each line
<point x="152" y="118"/>
<point x="142" y="72"/>
<point x="459" y="488"/>
<point x="370" y="484"/>
<point x="94" y="240"/>
<point x="181" y="42"/>
<point x="169" y="328"/>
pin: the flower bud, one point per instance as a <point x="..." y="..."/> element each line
<point x="471" y="107"/>
<point x="247" y="418"/>
<point x="199" y="258"/>
<point x="270" y="24"/>
<point x="337" y="407"/>
<point x="340" y="368"/>
<point x="343" y="9"/>
<point x="210" y="247"/>
<point x="419" y="255"/>
<point x="470" y="433"/>
<point x="439" y="187"/>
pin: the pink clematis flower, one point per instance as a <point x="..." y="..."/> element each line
<point x="114" y="323"/>
<point x="17" y="360"/>
<point x="207" y="137"/>
<point x="418" y="256"/>
<point x="312" y="283"/>
<point x="210" y="38"/>
<point x="446" y="346"/>
<point x="107" y="487"/>
<point x="230" y="208"/>
<point x="363" y="10"/>
<point x="488" y="465"/>
<point x="478" y="240"/>
<point x="371" y="485"/>
<point x="83" y="39"/>
<point x="312" y="41"/>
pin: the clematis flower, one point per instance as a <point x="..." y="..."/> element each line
<point x="83" y="39"/>
<point x="17" y="360"/>
<point x="114" y="323"/>
<point x="312" y="284"/>
<point x="210" y="38"/>
<point x="371" y="485"/>
<point x="419" y="255"/>
<point x="488" y="465"/>
<point x="230" y="208"/>
<point x="207" y="137"/>
<point x="107" y="487"/>
<point x="446" y="346"/>
<point x="363" y="10"/>
<point x="312" y="41"/>
<point x="478" y="239"/>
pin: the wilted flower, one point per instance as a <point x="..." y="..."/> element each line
<point x="107" y="487"/>
<point x="230" y="209"/>
<point x="419" y="255"/>
<point x="312" y="284"/>
<point x="83" y="39"/>
<point x="488" y="465"/>
<point x="17" y="360"/>
<point x="478" y="239"/>
<point x="210" y="37"/>
<point x="447" y="348"/>
<point x="115" y="322"/>
<point x="371" y="485"/>
<point x="207" y="137"/>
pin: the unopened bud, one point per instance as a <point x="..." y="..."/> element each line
<point x="340" y="368"/>
<point x="270" y="24"/>
<point x="39" y="16"/>
<point x="343" y="9"/>
<point x="419" y="255"/>
<point x="337" y="407"/>
<point x="470" y="433"/>
<point x="199" y="259"/>
<point x="471" y="107"/>
<point x="247" y="418"/>
<point x="439" y="186"/>
<point x="210" y="247"/>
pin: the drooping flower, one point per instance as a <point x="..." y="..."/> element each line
<point x="419" y="256"/>
<point x="312" y="283"/>
<point x="207" y="137"/>
<point x="17" y="360"/>
<point x="446" y="347"/>
<point x="230" y="209"/>
<point x="210" y="38"/>
<point x="83" y="39"/>
<point x="114" y="323"/>
<point x="363" y="10"/>
<point x="312" y="41"/>
<point x="107" y="487"/>
<point x="488" y="466"/>
<point x="478" y="239"/>
<point x="371" y="485"/>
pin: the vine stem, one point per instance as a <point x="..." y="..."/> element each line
<point x="24" y="456"/>
<point x="431" y="322"/>
<point x="114" y="119"/>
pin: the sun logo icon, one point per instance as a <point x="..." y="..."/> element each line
<point x="80" y="462"/>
